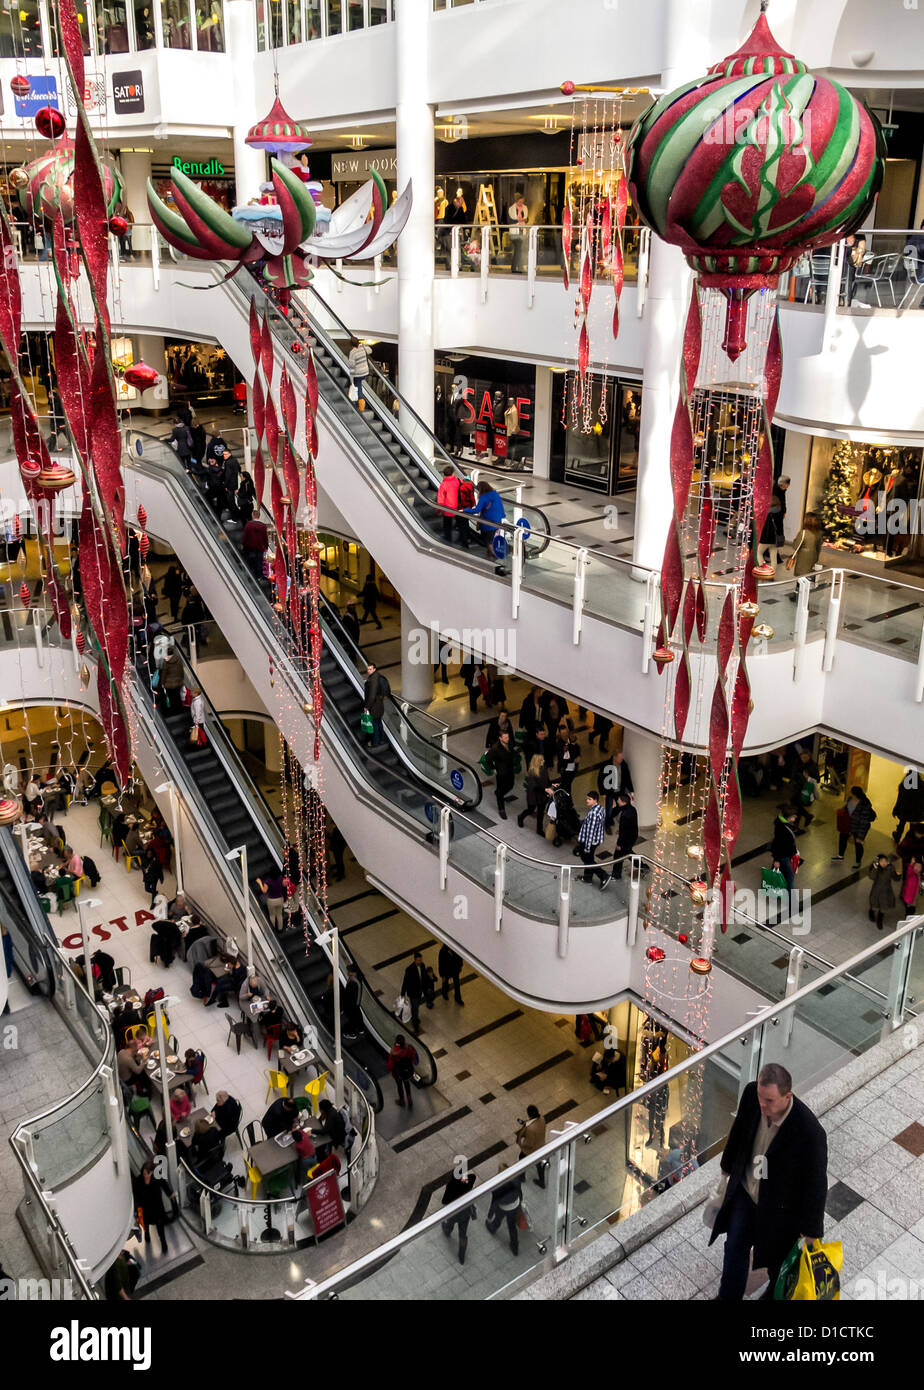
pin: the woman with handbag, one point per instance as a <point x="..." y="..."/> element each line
<point x="807" y="548"/>
<point x="152" y="1195"/>
<point x="853" y="822"/>
<point x="537" y="791"/>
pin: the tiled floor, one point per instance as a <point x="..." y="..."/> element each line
<point x="875" y="1206"/>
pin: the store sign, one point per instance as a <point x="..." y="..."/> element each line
<point x="43" y="91"/>
<point x="94" y="95"/>
<point x="128" y="92"/>
<point x="325" y="1204"/>
<point x="213" y="169"/>
<point x="356" y="167"/>
<point x="484" y="418"/>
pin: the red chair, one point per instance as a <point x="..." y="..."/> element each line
<point x="272" y="1039"/>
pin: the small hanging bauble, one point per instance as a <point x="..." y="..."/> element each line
<point x="24" y="594"/>
<point x="698" y="890"/>
<point x="79" y="640"/>
<point x="694" y="851"/>
<point x="30" y="468"/>
<point x="699" y="965"/>
<point x="682" y="938"/>
<point x="49" y="122"/>
<point x="141" y="376"/>
<point x="10" y="809"/>
<point x="56" y="478"/>
<point x="118" y="225"/>
<point x="144" y="545"/>
<point x="748" y="608"/>
<point x="142" y="516"/>
<point x="763" y="572"/>
<point x="19" y="85"/>
<point x="84" y="676"/>
<point x="567" y="88"/>
<point x="18" y="178"/>
<point x="654" y="953"/>
<point x="762" y="630"/>
<point x="17" y="526"/>
<point x="662" y="656"/>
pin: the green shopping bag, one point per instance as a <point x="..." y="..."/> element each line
<point x="366" y="724"/>
<point x="811" y="1273"/>
<point x="772" y="881"/>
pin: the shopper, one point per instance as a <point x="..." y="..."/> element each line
<point x="455" y="1188"/>
<point x="375" y="690"/>
<point x="626" y="830"/>
<point x="772" y="535"/>
<point x="884" y="875"/>
<point x="518" y="217"/>
<point x="449" y="963"/>
<point x="416" y="986"/>
<point x="350" y="623"/>
<point x="609" y="1073"/>
<point x="506" y="1204"/>
<point x="352" y="1014"/>
<point x="172" y="678"/>
<point x="172" y="590"/>
<point x="370" y="596"/>
<point x="807" y="548"/>
<point x="911" y="847"/>
<point x="776" y="1169"/>
<point x="783" y="846"/>
<point x="359" y="370"/>
<point x="853" y="822"/>
<point x="803" y="791"/>
<point x="254" y="543"/>
<point x="531" y="1136"/>
<point x="490" y="509"/>
<point x="181" y="441"/>
<point x="909" y="801"/>
<point x="911" y="884"/>
<point x="402" y="1063"/>
<point x="447" y="499"/>
<point x="501" y="759"/>
<point x="538" y="781"/>
<point x="152" y="871"/>
<point x="153" y="1198"/>
<point x="590" y="836"/>
<point x="614" y="777"/>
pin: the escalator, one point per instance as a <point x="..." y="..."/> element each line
<point x="402" y="450"/>
<point x="24" y="919"/>
<point x="218" y="782"/>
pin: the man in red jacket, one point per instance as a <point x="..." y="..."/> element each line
<point x="448" y="497"/>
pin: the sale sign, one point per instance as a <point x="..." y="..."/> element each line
<point x="325" y="1205"/>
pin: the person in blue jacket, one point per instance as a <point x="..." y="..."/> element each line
<point x="490" y="508"/>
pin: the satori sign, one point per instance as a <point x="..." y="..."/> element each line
<point x="128" y="92"/>
<point x="356" y="166"/>
<point x="325" y="1205"/>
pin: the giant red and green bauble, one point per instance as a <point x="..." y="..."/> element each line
<point x="746" y="168"/>
<point x="50" y="184"/>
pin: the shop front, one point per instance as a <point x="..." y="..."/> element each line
<point x="202" y="371"/>
<point x="605" y="457"/>
<point x="484" y="410"/>
<point x="868" y="498"/>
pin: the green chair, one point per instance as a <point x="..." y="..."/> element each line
<point x="278" y="1184"/>
<point x="64" y="891"/>
<point x="140" y="1106"/>
<point x="105" y="825"/>
<point x="46" y="905"/>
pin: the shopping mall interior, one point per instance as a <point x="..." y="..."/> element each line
<point x="461" y="666"/>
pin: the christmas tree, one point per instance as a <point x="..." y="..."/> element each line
<point x="838" y="522"/>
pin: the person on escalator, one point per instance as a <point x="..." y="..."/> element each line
<point x="181" y="441"/>
<point x="246" y="498"/>
<point x="350" y="623"/>
<point x="352" y="1015"/>
<point x="375" y="690"/>
<point x="359" y="370"/>
<point x="171" y="680"/>
<point x="448" y="496"/>
<point x="490" y="509"/>
<point x="254" y="542"/>
<point x="370" y="596"/>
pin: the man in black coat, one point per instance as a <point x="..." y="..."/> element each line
<point x="776" y="1161"/>
<point x="415" y="985"/>
<point x="375" y="690"/>
<point x="501" y="758"/>
<point x="449" y="965"/>
<point x="614" y="777"/>
<point x="626" y="830"/>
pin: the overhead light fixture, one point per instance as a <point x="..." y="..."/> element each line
<point x="453" y="129"/>
<point x="550" y="125"/>
<point x="358" y="142"/>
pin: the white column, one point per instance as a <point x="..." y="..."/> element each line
<point x="414" y="142"/>
<point x="136" y="170"/>
<point x="542" y="424"/>
<point x="150" y="347"/>
<point x="241" y="39"/>
<point x="416" y="660"/>
<point x="643" y="754"/>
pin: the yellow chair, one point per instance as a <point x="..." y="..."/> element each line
<point x="131" y="860"/>
<point x="315" y="1089"/>
<point x="77" y="883"/>
<point x="255" y="1177"/>
<point x="278" y="1081"/>
<point x="135" y="1031"/>
<point x="151" y="1022"/>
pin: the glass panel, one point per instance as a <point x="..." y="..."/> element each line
<point x="144" y="24"/>
<point x="111" y="26"/>
<point x="312" y="19"/>
<point x="210" y="27"/>
<point x="294" y="16"/>
<point x="83" y="22"/>
<point x="20" y="30"/>
<point x="378" y="11"/>
<point x="177" y="27"/>
<point x="275" y="20"/>
<point x="72" y="1137"/>
<point x="262" y="7"/>
<point x="875" y="613"/>
<point x="354" y="15"/>
<point x="334" y="17"/>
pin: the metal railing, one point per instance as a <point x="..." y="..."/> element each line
<point x="589" y="1162"/>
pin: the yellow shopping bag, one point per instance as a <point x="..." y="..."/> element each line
<point x="811" y="1272"/>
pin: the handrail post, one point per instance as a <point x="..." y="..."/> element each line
<point x="635" y="885"/>
<point x="444" y="846"/>
<point x="155" y="258"/>
<point x="500" y="883"/>
<point x="751" y="1067"/>
<point x="833" y="618"/>
<point x="577" y="597"/>
<point x="644" y="261"/>
<point x="919" y="674"/>
<point x="455" y="247"/>
<point x="833" y="292"/>
<point x="485" y="260"/>
<point x="898" y="983"/>
<point x="532" y="257"/>
<point x="564" y="909"/>
<point x="800" y="626"/>
<point x="651" y="617"/>
<point x="516" y="571"/>
<point x="561" y="1181"/>
<point x="377" y="271"/>
<point x="793" y="983"/>
<point x="248" y="456"/>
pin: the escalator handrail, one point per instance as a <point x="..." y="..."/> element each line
<point x="506" y="527"/>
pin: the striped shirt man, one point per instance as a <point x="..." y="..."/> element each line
<point x="593" y="827"/>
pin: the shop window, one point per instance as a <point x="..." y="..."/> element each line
<point x="111" y="26"/>
<point x="378" y="12"/>
<point x="630" y="415"/>
<point x="176" y="22"/>
<point x="354" y="15"/>
<point x="294" y="21"/>
<point x="83" y="23"/>
<point x="20" y="30"/>
<point x="334" y="17"/>
<point x="868" y="498"/>
<point x="210" y="27"/>
<point x="144" y="24"/>
<point x="312" y="19"/>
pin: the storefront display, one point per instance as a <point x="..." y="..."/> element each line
<point x="606" y="458"/>
<point x="868" y="498"/>
<point x="483" y="418"/>
<point x="198" y="368"/>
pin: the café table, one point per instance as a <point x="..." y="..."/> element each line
<point x="179" y="1076"/>
<point x="268" y="1157"/>
<point x="189" y="1126"/>
<point x="292" y="1068"/>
